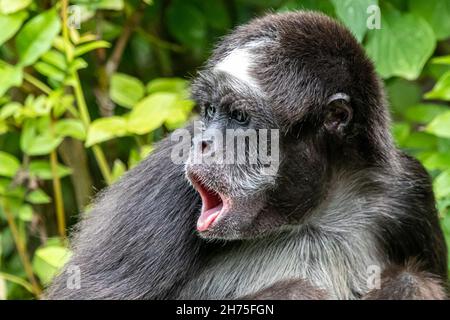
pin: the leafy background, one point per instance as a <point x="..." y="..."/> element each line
<point x="79" y="107"/>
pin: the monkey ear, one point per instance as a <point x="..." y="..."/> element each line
<point x="338" y="113"/>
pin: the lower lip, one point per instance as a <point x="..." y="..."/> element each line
<point x="208" y="222"/>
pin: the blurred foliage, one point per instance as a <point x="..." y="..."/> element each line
<point x="80" y="106"/>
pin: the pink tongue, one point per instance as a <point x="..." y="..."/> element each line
<point x="207" y="218"/>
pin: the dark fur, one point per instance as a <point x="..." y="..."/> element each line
<point x="408" y="282"/>
<point x="294" y="289"/>
<point x="139" y="240"/>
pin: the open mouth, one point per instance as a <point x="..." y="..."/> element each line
<point x="213" y="204"/>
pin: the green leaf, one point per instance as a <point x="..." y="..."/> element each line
<point x="436" y="13"/>
<point x="179" y="114"/>
<point x="43" y="170"/>
<point x="3" y="127"/>
<point x="55" y="58"/>
<point x="440" y="126"/>
<point x="70" y="128"/>
<point x="10" y="24"/>
<point x="34" y="143"/>
<point x="63" y="104"/>
<point x="105" y="129"/>
<point x="10" y="6"/>
<point x="9" y="165"/>
<point x="402" y="46"/>
<point x="85" y="48"/>
<point x="186" y="23"/>
<point x="441" y="89"/>
<point x="26" y="213"/>
<point x="175" y="85"/>
<point x="402" y="94"/>
<point x="150" y="113"/>
<point x="401" y="131"/>
<point x="9" y="77"/>
<point x="47" y="261"/>
<point x="437" y="161"/>
<point x="420" y="141"/>
<point x="49" y="71"/>
<point x="118" y="170"/>
<point x="353" y="13"/>
<point x="126" y="90"/>
<point x="77" y="64"/>
<point x="108" y="4"/>
<point x="38" y="197"/>
<point x="36" y="107"/>
<point x="37" y="36"/>
<point x="9" y="109"/>
<point x="424" y="112"/>
<point x="441" y="185"/>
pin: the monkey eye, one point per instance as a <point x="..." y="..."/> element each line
<point x="240" y="116"/>
<point x="210" y="110"/>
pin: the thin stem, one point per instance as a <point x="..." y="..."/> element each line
<point x="57" y="190"/>
<point x="37" y="83"/>
<point x="21" y="249"/>
<point x="159" y="42"/>
<point x="128" y="29"/>
<point x="103" y="164"/>
<point x="17" y="280"/>
<point x="84" y="113"/>
<point x="65" y="29"/>
<point x="81" y="101"/>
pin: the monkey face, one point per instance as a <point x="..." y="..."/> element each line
<point x="306" y="100"/>
<point x="253" y="175"/>
<point x="235" y="155"/>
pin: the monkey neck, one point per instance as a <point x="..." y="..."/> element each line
<point x="333" y="249"/>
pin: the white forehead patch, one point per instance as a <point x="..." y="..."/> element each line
<point x="237" y="64"/>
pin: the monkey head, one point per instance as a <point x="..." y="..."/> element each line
<point x="299" y="88"/>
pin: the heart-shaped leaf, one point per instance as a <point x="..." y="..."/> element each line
<point x="353" y="13"/>
<point x="402" y="46"/>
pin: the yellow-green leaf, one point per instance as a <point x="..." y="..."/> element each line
<point x="440" y="126"/>
<point x="47" y="261"/>
<point x="10" y="24"/>
<point x="105" y="129"/>
<point x="441" y="185"/>
<point x="43" y="170"/>
<point x="10" y="6"/>
<point x="150" y="113"/>
<point x="8" y="164"/>
<point x="126" y="90"/>
<point x="70" y="128"/>
<point x="442" y="88"/>
<point x="36" y="36"/>
<point x="10" y="76"/>
<point x="38" y="197"/>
